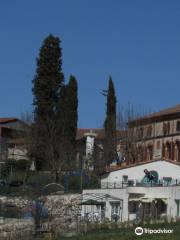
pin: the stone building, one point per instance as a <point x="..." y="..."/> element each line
<point x="12" y="139"/>
<point x="90" y="144"/>
<point x="154" y="137"/>
<point x="151" y="144"/>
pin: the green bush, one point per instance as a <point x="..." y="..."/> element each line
<point x="40" y="178"/>
<point x="14" y="166"/>
<point x="76" y="182"/>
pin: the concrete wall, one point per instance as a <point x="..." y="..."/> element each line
<point x="170" y="194"/>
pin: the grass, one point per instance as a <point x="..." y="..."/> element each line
<point x="128" y="234"/>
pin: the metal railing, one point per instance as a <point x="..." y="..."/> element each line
<point x="136" y="183"/>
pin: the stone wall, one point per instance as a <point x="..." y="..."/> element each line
<point x="63" y="215"/>
<point x="16" y="229"/>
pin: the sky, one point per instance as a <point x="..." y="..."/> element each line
<point x="137" y="42"/>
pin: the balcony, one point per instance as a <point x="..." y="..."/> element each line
<point x="139" y="184"/>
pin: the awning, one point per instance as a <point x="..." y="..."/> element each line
<point x="92" y="202"/>
<point x="147" y="200"/>
<point x="165" y="200"/>
<point x="97" y="198"/>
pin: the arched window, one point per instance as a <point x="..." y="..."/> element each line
<point x="140" y="153"/>
<point x="178" y="126"/>
<point x="150" y="152"/>
<point x="166" y="128"/>
<point x="140" y="133"/>
<point x="145" y="153"/>
<point x="149" y="131"/>
<point x="178" y="150"/>
<point x="170" y="150"/>
<point x="163" y="150"/>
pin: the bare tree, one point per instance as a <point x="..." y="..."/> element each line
<point x="33" y="144"/>
<point x="133" y="142"/>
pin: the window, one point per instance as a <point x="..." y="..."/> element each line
<point x="133" y="207"/>
<point x="150" y="152"/>
<point x="178" y="126"/>
<point x="167" y="180"/>
<point x="115" y="211"/>
<point x="140" y="133"/>
<point x="161" y="207"/>
<point x="158" y="145"/>
<point x="166" y="128"/>
<point x="148" y="209"/>
<point x="125" y="178"/>
<point x="178" y="208"/>
<point x="140" y="153"/>
<point x="115" y="207"/>
<point x="149" y="131"/>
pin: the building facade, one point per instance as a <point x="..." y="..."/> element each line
<point x="153" y="137"/>
<point x="90" y="147"/>
<point x="12" y="142"/>
<point x="150" y="145"/>
<point x="139" y="198"/>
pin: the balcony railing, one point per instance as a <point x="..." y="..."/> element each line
<point x="136" y="183"/>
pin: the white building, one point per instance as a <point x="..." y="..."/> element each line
<point x="89" y="146"/>
<point x="128" y="193"/>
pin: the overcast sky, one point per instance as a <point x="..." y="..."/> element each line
<point x="137" y="42"/>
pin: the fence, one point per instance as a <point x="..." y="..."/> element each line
<point x="136" y="183"/>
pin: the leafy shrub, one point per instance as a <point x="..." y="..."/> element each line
<point x="14" y="166"/>
<point x="40" y="178"/>
<point x="85" y="181"/>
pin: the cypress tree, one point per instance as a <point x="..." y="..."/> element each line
<point x="110" y="125"/>
<point x="47" y="84"/>
<point x="68" y="117"/>
<point x="72" y="95"/>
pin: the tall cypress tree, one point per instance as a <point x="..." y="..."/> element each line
<point x="110" y="125"/>
<point x="47" y="84"/>
<point x="72" y="106"/>
<point x="68" y="117"/>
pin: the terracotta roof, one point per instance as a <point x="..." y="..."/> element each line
<point x="167" y="111"/>
<point x="157" y="115"/>
<point x="6" y="120"/>
<point x="17" y="141"/>
<point x="81" y="132"/>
